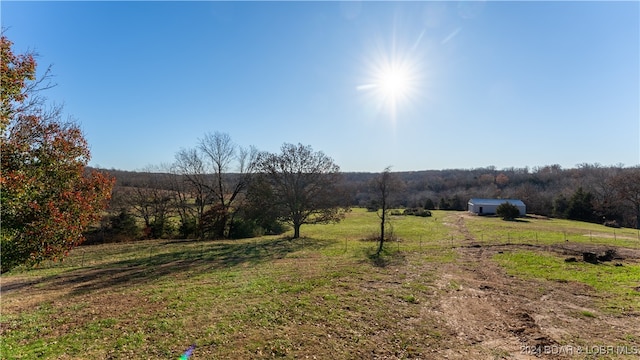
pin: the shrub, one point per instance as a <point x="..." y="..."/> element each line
<point x="429" y="205"/>
<point x="162" y="228"/>
<point x="188" y="227"/>
<point x="248" y="228"/>
<point x="417" y="212"/>
<point x="276" y="228"/>
<point x="119" y="227"/>
<point x="507" y="211"/>
<point x="124" y="226"/>
<point x="611" y="223"/>
<point x="243" y="229"/>
<point x="581" y="206"/>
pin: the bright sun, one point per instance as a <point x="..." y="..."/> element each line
<point x="393" y="81"/>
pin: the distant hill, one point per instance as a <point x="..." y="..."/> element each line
<point x="545" y="190"/>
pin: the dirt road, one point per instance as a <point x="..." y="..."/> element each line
<point x="496" y="316"/>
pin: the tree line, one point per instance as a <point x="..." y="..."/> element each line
<point x="220" y="190"/>
<point x="588" y="192"/>
<point x="236" y="201"/>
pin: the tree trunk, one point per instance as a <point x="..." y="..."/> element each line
<point x="296" y="231"/>
<point x="381" y="232"/>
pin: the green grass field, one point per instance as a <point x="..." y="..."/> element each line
<point x="322" y="296"/>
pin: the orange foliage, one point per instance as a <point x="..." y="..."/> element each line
<point x="48" y="197"/>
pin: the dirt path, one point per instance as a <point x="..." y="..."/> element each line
<point x="459" y="229"/>
<point x="496" y="316"/>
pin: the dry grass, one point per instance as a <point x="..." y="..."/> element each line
<point x="323" y="296"/>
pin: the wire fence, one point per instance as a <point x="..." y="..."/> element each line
<point x="157" y="252"/>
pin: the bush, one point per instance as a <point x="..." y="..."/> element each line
<point x="429" y="205"/>
<point x="248" y="228"/>
<point x="188" y="227"/>
<point x="507" y="211"/>
<point x="243" y="229"/>
<point x="114" y="228"/>
<point x="611" y="223"/>
<point x="124" y="226"/>
<point x="162" y="228"/>
<point x="417" y="212"/>
<point x="581" y="206"/>
<point x="276" y="228"/>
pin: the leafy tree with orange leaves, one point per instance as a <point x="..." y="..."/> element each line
<point x="48" y="198"/>
<point x="15" y="72"/>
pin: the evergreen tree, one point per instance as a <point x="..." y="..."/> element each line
<point x="581" y="206"/>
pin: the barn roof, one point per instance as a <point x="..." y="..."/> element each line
<point x="478" y="201"/>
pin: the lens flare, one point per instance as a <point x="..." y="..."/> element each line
<point x="187" y="353"/>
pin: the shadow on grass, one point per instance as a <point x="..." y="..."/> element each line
<point x="517" y="220"/>
<point x="385" y="258"/>
<point x="521" y="220"/>
<point x="191" y="257"/>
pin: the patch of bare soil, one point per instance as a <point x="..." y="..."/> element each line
<point x="611" y="236"/>
<point x="460" y="229"/>
<point x="497" y="316"/>
<point x="576" y="249"/>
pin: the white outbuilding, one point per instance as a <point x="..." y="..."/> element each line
<point x="489" y="206"/>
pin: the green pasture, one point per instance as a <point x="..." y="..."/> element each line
<point x="530" y="230"/>
<point x="620" y="283"/>
<point x="323" y="295"/>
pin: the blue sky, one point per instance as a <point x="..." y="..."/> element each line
<point x="506" y="84"/>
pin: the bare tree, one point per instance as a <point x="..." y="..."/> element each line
<point x="181" y="190"/>
<point x="302" y="186"/>
<point x="627" y="184"/>
<point x="190" y="166"/>
<point x="156" y="197"/>
<point x="384" y="185"/>
<point x="217" y="172"/>
<point x="231" y="167"/>
<point x="605" y="200"/>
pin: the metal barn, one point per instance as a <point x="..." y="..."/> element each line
<point x="489" y="206"/>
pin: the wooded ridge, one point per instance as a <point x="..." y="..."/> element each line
<point x="588" y="192"/>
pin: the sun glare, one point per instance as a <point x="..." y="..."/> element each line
<point x="393" y="81"/>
